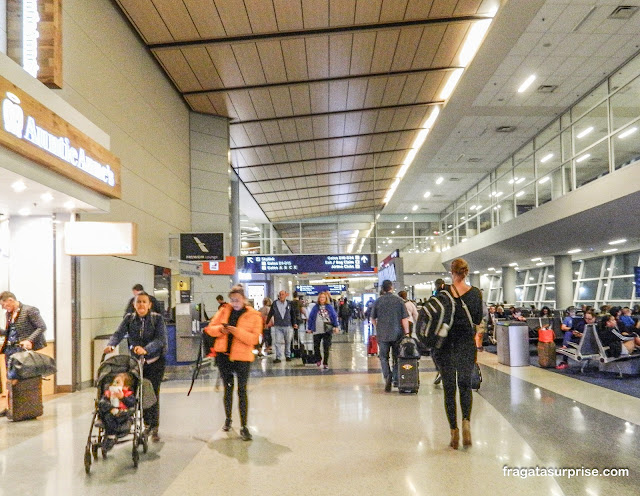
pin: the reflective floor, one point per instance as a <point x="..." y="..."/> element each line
<point x="337" y="432"/>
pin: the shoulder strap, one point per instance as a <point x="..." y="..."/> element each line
<point x="464" y="305"/>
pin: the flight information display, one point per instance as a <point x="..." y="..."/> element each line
<point x="316" y="289"/>
<point x="297" y="264"/>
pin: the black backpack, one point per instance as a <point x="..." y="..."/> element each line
<point x="435" y="319"/>
<point x="408" y="348"/>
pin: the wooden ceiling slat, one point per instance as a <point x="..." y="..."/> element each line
<point x="368" y="121"/>
<point x="205" y="17"/>
<point x="304" y="128"/>
<point x="338" y="91"/>
<point x="178" y="70"/>
<point x="294" y="152"/>
<point x="239" y="136"/>
<point x="377" y="142"/>
<point x="350" y="145"/>
<point x="288" y="129"/>
<point x="342" y="12"/>
<point x="223" y="104"/>
<point x="317" y="57"/>
<point x="375" y="92"/>
<point x="406" y="48"/>
<point x="281" y="100"/>
<point x="261" y="99"/>
<point x="176" y="16"/>
<point x="248" y="60"/>
<point x="467" y="7"/>
<point x="391" y="141"/>
<point x="432" y="86"/>
<point x="234" y="17"/>
<point x="288" y="15"/>
<point x="200" y="103"/>
<point x="226" y="65"/>
<point x="393" y="10"/>
<point x="442" y="8"/>
<point x="308" y="151"/>
<point x="340" y="48"/>
<point x="393" y="90"/>
<point x="362" y="52"/>
<point x="386" y="42"/>
<point x="243" y="105"/>
<point x="279" y="154"/>
<point x="320" y="126"/>
<point x="451" y="44"/>
<point x="352" y="123"/>
<point x="147" y="20"/>
<point x="357" y="92"/>
<point x="319" y="97"/>
<point x="272" y="61"/>
<point x="411" y="88"/>
<point x="418" y="9"/>
<point x="364" y="144"/>
<point x="368" y="12"/>
<point x="202" y="66"/>
<point x="262" y="16"/>
<point x="321" y="149"/>
<point x="336" y="124"/>
<point x="264" y="156"/>
<point x="336" y="147"/>
<point x="272" y="131"/>
<point x="429" y="43"/>
<point x="315" y="13"/>
<point x="295" y="60"/>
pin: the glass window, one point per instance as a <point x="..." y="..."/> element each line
<point x="504" y="167"/>
<point x="624" y="264"/>
<point x="485" y="183"/>
<point x="592" y="268"/>
<point x="591" y="128"/>
<point x="523" y="172"/>
<point x="588" y="290"/>
<point x="626" y="145"/>
<point x="534" y="276"/>
<point x="625" y="104"/>
<point x="549" y="133"/>
<point x="548" y="158"/>
<point x="550" y="275"/>
<point x="520" y="277"/>
<point x="549" y="293"/>
<point x="575" y="268"/>
<point x="503" y="186"/>
<point x="589" y="101"/>
<point x="621" y="288"/>
<point x="592" y="164"/>
<point x="625" y="74"/>
<point x="494" y="295"/>
<point x="485" y="220"/>
<point x="565" y="120"/>
<point x="567" y="145"/>
<point x="525" y="199"/>
<point x="531" y="293"/>
<point x="524" y="152"/>
<point x="519" y="295"/>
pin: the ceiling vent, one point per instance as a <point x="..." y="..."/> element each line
<point x="623" y="12"/>
<point x="547" y="88"/>
<point x="454" y="179"/>
<point x="475" y="160"/>
<point x="505" y="129"/>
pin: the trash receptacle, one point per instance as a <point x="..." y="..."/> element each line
<point x="513" y="343"/>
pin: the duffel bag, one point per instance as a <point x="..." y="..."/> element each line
<point x="28" y="364"/>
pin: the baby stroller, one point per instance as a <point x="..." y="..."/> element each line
<point x="132" y="429"/>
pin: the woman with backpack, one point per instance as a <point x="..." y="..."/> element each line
<point x="456" y="357"/>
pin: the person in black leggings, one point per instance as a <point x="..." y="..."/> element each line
<point x="457" y="356"/>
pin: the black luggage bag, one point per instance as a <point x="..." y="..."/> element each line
<point x="25" y="399"/>
<point x="408" y="375"/>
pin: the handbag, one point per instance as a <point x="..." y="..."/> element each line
<point x="28" y="364"/>
<point x="476" y="374"/>
<point x="328" y="327"/>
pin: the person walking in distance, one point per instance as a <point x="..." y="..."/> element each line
<point x="391" y="320"/>
<point x="285" y="319"/>
<point x="456" y="357"/>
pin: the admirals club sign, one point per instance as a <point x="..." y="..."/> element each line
<point x="30" y="129"/>
<point x="34" y="38"/>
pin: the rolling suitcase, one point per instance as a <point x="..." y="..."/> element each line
<point x="25" y="399"/>
<point x="408" y="375"/>
<point x="372" y="346"/>
<point x="546" y="348"/>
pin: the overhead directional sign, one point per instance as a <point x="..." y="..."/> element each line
<point x="316" y="289"/>
<point x="200" y="247"/>
<point x="296" y="264"/>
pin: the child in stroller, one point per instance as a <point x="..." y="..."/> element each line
<point x="113" y="408"/>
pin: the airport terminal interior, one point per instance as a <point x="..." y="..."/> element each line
<point x="320" y="147"/>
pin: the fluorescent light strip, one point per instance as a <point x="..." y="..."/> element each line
<point x="451" y="84"/>
<point x="628" y="132"/>
<point x="610" y="250"/>
<point x="519" y="194"/>
<point x="617" y="241"/>
<point x="583" y="133"/>
<point x="528" y="82"/>
<point x="439" y="180"/>
<point x="583" y="158"/>
<point x="546" y="158"/>
<point x="575" y="250"/>
<point x="473" y="41"/>
<point x="427" y="194"/>
<point x="544" y="180"/>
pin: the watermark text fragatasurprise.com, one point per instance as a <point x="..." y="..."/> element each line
<point x="568" y="472"/>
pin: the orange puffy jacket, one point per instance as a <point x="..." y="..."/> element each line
<point x="245" y="338"/>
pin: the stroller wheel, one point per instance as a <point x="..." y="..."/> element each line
<point x="134" y="454"/>
<point x="87" y="459"/>
<point x="94" y="451"/>
<point x="145" y="442"/>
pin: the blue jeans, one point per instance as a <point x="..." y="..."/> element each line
<point x="383" y="353"/>
<point x="282" y="335"/>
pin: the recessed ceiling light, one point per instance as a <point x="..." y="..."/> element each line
<point x="398" y="226"/>
<point x="540" y="263"/>
<point x="617" y="242"/>
<point x="405" y="217"/>
<point x="527" y="83"/>
<point x="628" y="132"/>
<point x="491" y="268"/>
<point x="583" y="158"/>
<point x="427" y="194"/>
<point x="393" y="232"/>
<point x="19" y="186"/>
<point x="46" y="197"/>
<point x="476" y="272"/>
<point x="610" y="250"/>
<point x="24" y="211"/>
<point x="537" y="259"/>
<point x="440" y="180"/>
<point x="519" y="194"/>
<point x="584" y="132"/>
<point x="513" y="264"/>
<point x="414" y="208"/>
<point x="575" y="250"/>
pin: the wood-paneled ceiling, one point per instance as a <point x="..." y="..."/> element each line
<point x="324" y="97"/>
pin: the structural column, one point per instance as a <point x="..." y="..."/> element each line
<point x="564" y="281"/>
<point x="235" y="220"/>
<point x="509" y="284"/>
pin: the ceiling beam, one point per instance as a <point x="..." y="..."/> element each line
<point x="236" y="167"/>
<point x="335" y="112"/>
<point x="329" y="204"/>
<point x="323" y="196"/>
<point x="316" y="32"/>
<point x="410" y="130"/>
<point x="323" y="174"/>
<point x="322" y="80"/>
<point x="319" y="186"/>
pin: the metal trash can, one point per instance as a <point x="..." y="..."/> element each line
<point x="513" y="343"/>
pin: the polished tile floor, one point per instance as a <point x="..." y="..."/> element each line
<point x="337" y="433"/>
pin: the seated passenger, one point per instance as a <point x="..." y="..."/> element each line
<point x="567" y="325"/>
<point x="545" y="312"/>
<point x="628" y="321"/>
<point x="113" y="408"/>
<point x="620" y="343"/>
<point x="576" y="334"/>
<point x="500" y="312"/>
<point x="516" y="315"/>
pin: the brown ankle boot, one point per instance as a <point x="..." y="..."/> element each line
<point x="455" y="438"/>
<point x="466" y="433"/>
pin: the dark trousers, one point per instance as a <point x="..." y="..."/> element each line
<point x="154" y="372"/>
<point x="344" y="324"/>
<point x="384" y="348"/>
<point x="325" y="339"/>
<point x="113" y="424"/>
<point x="266" y="337"/>
<point x="241" y="369"/>
<point x="456" y="361"/>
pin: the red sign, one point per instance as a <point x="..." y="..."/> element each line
<point x="226" y="268"/>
